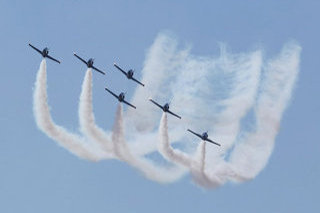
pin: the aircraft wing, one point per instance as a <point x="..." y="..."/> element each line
<point x="96" y="69"/>
<point x="53" y="59"/>
<point x="128" y="104"/>
<point x="121" y="70"/>
<point x="211" y="141"/>
<point x="174" y="114"/>
<point x="36" y="49"/>
<point x="156" y="103"/>
<point x="137" y="81"/>
<point x="79" y="58"/>
<point x="195" y="133"/>
<point x="112" y="93"/>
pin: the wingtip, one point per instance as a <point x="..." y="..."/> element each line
<point x="114" y="64"/>
<point x="74" y="53"/>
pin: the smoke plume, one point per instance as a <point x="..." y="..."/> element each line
<point x="239" y="98"/>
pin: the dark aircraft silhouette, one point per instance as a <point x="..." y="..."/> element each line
<point x="165" y="108"/>
<point x="120" y="97"/>
<point x="129" y="74"/>
<point x="89" y="63"/>
<point x="204" y="137"/>
<point x="44" y="53"/>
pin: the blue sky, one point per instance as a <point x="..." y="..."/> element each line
<point x="39" y="176"/>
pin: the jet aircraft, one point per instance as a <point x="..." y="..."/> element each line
<point x="204" y="137"/>
<point x="44" y="53"/>
<point x="129" y="74"/>
<point x="165" y="108"/>
<point x="89" y="63"/>
<point x="120" y="97"/>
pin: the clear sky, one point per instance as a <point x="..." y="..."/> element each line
<point x="36" y="175"/>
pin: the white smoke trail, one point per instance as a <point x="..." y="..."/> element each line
<point x="74" y="143"/>
<point x="202" y="156"/>
<point x="220" y="89"/>
<point x="196" y="163"/>
<point x="151" y="171"/>
<point x="166" y="150"/>
<point x="87" y="120"/>
<point x="274" y="95"/>
<point x="211" y="93"/>
<point x="198" y="169"/>
<point x="117" y="147"/>
<point x="156" y="74"/>
<point x="251" y="155"/>
<point x="118" y="136"/>
<point x="242" y="71"/>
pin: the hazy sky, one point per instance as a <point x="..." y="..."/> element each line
<point x="36" y="175"/>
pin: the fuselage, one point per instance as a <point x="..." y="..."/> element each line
<point x="130" y="74"/>
<point x="166" y="107"/>
<point x="121" y="97"/>
<point x="90" y="63"/>
<point x="45" y="52"/>
<point x="204" y="136"/>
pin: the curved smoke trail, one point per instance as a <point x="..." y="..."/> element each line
<point x="198" y="169"/>
<point x="151" y="171"/>
<point x="196" y="163"/>
<point x="87" y="120"/>
<point x="251" y="155"/>
<point x="205" y="89"/>
<point x="74" y="143"/>
<point x="166" y="150"/>
<point x="245" y="71"/>
<point x="117" y="147"/>
<point x="220" y="94"/>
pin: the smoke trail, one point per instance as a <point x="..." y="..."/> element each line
<point x="118" y="137"/>
<point x="205" y="89"/>
<point x="87" y="120"/>
<point x="117" y="147"/>
<point x="160" y="68"/>
<point x="198" y="169"/>
<point x="241" y="71"/>
<point x="211" y="93"/>
<point x="166" y="150"/>
<point x="71" y="142"/>
<point x="246" y="78"/>
<point x="202" y="158"/>
<point x="251" y="155"/>
<point x="195" y="164"/>
<point x="151" y="171"/>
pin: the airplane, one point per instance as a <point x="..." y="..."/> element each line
<point x="165" y="108"/>
<point x="89" y="63"/>
<point x="120" y="97"/>
<point x="129" y="74"/>
<point x="44" y="53"/>
<point x="204" y="137"/>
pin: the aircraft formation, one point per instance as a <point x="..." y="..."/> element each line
<point x="121" y="97"/>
